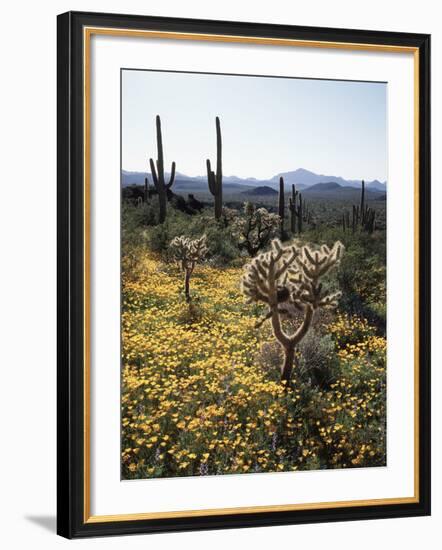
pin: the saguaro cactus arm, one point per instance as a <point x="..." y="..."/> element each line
<point x="154" y="173"/>
<point x="160" y="161"/>
<point x="172" y="175"/>
<point x="211" y="178"/>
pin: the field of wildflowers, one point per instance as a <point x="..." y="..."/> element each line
<point x="201" y="388"/>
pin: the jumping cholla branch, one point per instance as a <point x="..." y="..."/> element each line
<point x="288" y="279"/>
<point x="188" y="253"/>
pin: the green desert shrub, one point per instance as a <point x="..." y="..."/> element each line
<point x="362" y="279"/>
<point x="159" y="237"/>
<point x="317" y="359"/>
<point x="221" y="246"/>
<point x="362" y="274"/>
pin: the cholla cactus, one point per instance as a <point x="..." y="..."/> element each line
<point x="287" y="280"/>
<point x="228" y="215"/>
<point x="188" y="253"/>
<point x="255" y="229"/>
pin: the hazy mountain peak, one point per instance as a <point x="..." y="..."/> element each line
<point x="325" y="186"/>
<point x="260" y="191"/>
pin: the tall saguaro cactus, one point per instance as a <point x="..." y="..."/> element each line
<point x="215" y="180"/>
<point x="292" y="208"/>
<point x="281" y="207"/>
<point x="158" y="173"/>
<point x="362" y="215"/>
<point x="287" y="280"/>
<point x="300" y="212"/>
<point x="362" y="197"/>
<point x="297" y="211"/>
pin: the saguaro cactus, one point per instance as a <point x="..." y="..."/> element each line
<point x="362" y="196"/>
<point x="297" y="211"/>
<point x="362" y="216"/>
<point x="281" y="208"/>
<point x="300" y="212"/>
<point x="158" y="174"/>
<point x="292" y="208"/>
<point x="188" y="253"/>
<point x="215" y="180"/>
<point x="368" y="221"/>
<point x="287" y="280"/>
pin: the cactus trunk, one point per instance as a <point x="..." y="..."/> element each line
<point x="292" y="208"/>
<point x="215" y="180"/>
<point x="187" y="274"/>
<point x="162" y="201"/>
<point x="281" y="207"/>
<point x="158" y="174"/>
<point x="362" y="198"/>
<point x="300" y="213"/>
<point x="287" y="367"/>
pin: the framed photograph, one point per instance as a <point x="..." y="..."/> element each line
<point x="243" y="274"/>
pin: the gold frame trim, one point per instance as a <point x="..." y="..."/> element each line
<point x="87" y="34"/>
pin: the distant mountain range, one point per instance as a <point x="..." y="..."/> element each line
<point x="307" y="178"/>
<point x="303" y="179"/>
<point x="261" y="191"/>
<point x="329" y="190"/>
<point x="326" y="190"/>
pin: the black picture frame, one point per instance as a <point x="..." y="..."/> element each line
<point x="72" y="520"/>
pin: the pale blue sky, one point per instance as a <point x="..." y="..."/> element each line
<point x="269" y="125"/>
